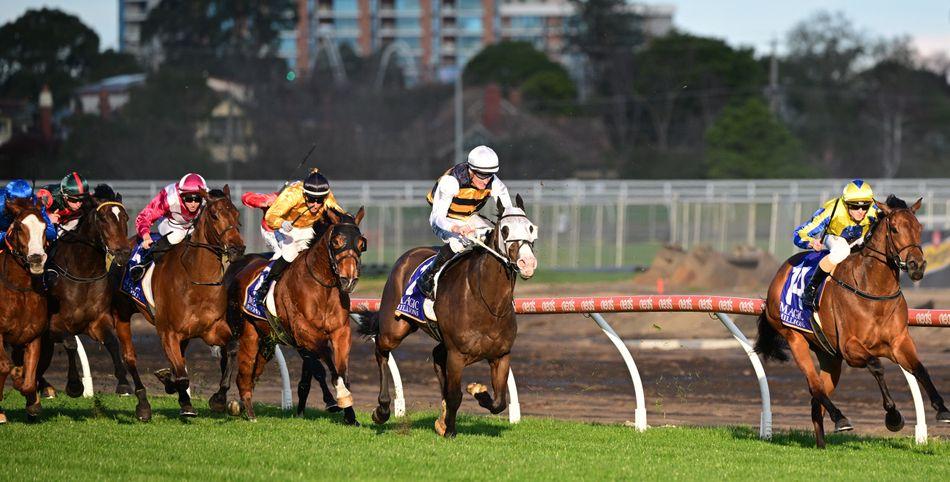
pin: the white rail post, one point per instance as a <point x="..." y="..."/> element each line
<point x="920" y="428"/>
<point x="765" y="418"/>
<point x="640" y="413"/>
<point x="87" y="391"/>
<point x="399" y="404"/>
<point x="514" y="407"/>
<point x="286" y="400"/>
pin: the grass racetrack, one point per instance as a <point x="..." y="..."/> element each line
<point x="100" y="439"/>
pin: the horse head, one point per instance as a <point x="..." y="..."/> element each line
<point x="112" y="223"/>
<point x="345" y="245"/>
<point x="515" y="237"/>
<point x="27" y="234"/>
<point x="901" y="234"/>
<point x="220" y="224"/>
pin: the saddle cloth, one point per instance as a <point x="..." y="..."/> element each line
<point x="791" y="309"/>
<point x="410" y="305"/>
<point x="141" y="290"/>
<point x="253" y="308"/>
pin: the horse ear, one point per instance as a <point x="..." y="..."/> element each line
<point x="519" y="202"/>
<point x="499" y="206"/>
<point x="882" y="207"/>
<point x="227" y="191"/>
<point x="334" y="218"/>
<point x="203" y="193"/>
<point x="916" y="205"/>
<point x="359" y="215"/>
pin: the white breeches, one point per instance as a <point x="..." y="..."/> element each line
<point x="455" y="240"/>
<point x="270" y="239"/>
<point x="175" y="232"/>
<point x="839" y="248"/>
<point x="291" y="244"/>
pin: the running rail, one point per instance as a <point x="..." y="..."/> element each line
<point x="721" y="306"/>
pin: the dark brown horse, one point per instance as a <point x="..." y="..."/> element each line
<point x="189" y="293"/>
<point x="23" y="314"/>
<point x="80" y="287"/>
<point x="864" y="317"/>
<point x="475" y="311"/>
<point x="312" y="303"/>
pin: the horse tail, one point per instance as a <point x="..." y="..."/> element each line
<point x="769" y="343"/>
<point x="367" y="324"/>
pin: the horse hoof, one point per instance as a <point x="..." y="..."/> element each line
<point x="345" y="402"/>
<point x="187" y="412"/>
<point x="334" y="408"/>
<point x="124" y="390"/>
<point x="48" y="393"/>
<point x="943" y="416"/>
<point x="218" y="403"/>
<point x="894" y="421"/>
<point x="3" y="418"/>
<point x="164" y="375"/>
<point x="475" y="388"/>
<point x="234" y="408"/>
<point x="143" y="413"/>
<point x="74" y="388"/>
<point x="380" y="417"/>
<point x="843" y="425"/>
<point x="440" y="427"/>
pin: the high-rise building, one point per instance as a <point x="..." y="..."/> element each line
<point x="132" y="14"/>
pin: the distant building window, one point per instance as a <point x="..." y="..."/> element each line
<point x="407" y="23"/>
<point x="470" y="24"/>
<point x="527" y="22"/>
<point x="405" y="5"/>
<point x="346" y="24"/>
<point x="470" y="4"/>
<point x="348" y="6"/>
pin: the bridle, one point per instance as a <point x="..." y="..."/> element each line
<point x="223" y="252"/>
<point x="350" y="251"/>
<point x="102" y="245"/>
<point x="891" y="253"/>
<point x="20" y="258"/>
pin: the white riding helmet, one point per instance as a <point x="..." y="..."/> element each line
<point x="483" y="159"/>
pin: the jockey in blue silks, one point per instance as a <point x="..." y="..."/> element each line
<point x="20" y="189"/>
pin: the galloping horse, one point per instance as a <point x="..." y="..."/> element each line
<point x="81" y="288"/>
<point x="863" y="315"/>
<point x="475" y="312"/>
<point x="189" y="293"/>
<point x="312" y="305"/>
<point x="23" y="313"/>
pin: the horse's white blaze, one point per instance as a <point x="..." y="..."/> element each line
<point x="115" y="210"/>
<point x="35" y="227"/>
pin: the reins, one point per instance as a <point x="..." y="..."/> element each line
<point x="221" y="252"/>
<point x="102" y="246"/>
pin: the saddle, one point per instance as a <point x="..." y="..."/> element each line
<point x="792" y="311"/>
<point x="267" y="312"/>
<point x="415" y="306"/>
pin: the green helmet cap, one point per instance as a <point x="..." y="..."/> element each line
<point x="74" y="185"/>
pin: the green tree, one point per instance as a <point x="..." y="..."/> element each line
<point x="45" y="47"/>
<point x="111" y="63"/>
<point x="550" y="91"/>
<point x="748" y="142"/>
<point x="509" y="64"/>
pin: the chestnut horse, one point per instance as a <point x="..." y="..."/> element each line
<point x="80" y="288"/>
<point x="189" y="293"/>
<point x="863" y="315"/>
<point x="312" y="304"/>
<point x="23" y="313"/>
<point x="475" y="311"/>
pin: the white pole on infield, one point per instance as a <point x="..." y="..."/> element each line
<point x="640" y="413"/>
<point x="286" y="399"/>
<point x="399" y="404"/>
<point x="920" y="429"/>
<point x="514" y="407"/>
<point x="87" y="391"/>
<point x="765" y="418"/>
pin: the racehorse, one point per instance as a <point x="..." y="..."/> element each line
<point x="189" y="292"/>
<point x="80" y="288"/>
<point x="312" y="306"/>
<point x="475" y="312"/>
<point x="23" y="313"/>
<point x="863" y="316"/>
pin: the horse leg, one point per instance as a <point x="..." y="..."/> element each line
<point x="5" y="366"/>
<point x="74" y="386"/>
<point x="143" y="410"/>
<point x="454" y="364"/>
<point x="893" y="420"/>
<point x="801" y="353"/>
<point x="390" y="336"/>
<point x="101" y="330"/>
<point x="219" y="401"/>
<point x="439" y="355"/>
<point x="250" y="365"/>
<point x="173" y="346"/>
<point x="905" y="354"/>
<point x="341" y="340"/>
<point x="320" y="375"/>
<point x="499" y="383"/>
<point x="303" y="386"/>
<point x="31" y="359"/>
<point x="46" y="358"/>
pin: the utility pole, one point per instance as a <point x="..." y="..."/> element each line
<point x="458" y="115"/>
<point x="773" y="79"/>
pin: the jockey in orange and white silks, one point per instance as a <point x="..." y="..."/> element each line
<point x="841" y="223"/>
<point x="456" y="198"/>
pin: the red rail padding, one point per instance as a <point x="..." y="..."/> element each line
<point x="660" y="303"/>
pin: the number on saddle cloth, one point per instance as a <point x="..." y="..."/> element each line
<point x="792" y="311"/>
<point x="250" y="305"/>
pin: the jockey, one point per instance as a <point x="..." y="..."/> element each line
<point x="263" y="201"/>
<point x="68" y="198"/>
<point x="20" y="189"/>
<point x="456" y="198"/>
<point x="292" y="216"/>
<point x="177" y="204"/>
<point x="841" y="222"/>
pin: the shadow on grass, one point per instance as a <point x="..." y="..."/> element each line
<point x="851" y="441"/>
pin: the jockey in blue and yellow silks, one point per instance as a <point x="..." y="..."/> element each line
<point x="840" y="223"/>
<point x="20" y="189"/>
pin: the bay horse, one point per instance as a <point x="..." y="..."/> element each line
<point x="189" y="293"/>
<point x="80" y="288"/>
<point x="312" y="304"/>
<point x="23" y="313"/>
<point x="863" y="314"/>
<point x="475" y="312"/>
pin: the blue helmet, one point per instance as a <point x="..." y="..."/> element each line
<point x="18" y="188"/>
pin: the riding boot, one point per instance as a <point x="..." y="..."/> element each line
<point x="427" y="280"/>
<point x="279" y="266"/>
<point x="810" y="295"/>
<point x="160" y="247"/>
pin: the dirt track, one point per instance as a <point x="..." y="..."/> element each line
<point x="566" y="368"/>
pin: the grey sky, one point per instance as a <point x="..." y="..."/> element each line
<point x="740" y="22"/>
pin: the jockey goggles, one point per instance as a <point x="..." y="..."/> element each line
<point x="191" y="198"/>
<point x="483" y="175"/>
<point x="75" y="199"/>
<point x="862" y="205"/>
<point x="315" y="198"/>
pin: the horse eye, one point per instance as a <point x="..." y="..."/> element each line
<point x="893" y="230"/>
<point x="504" y="232"/>
<point x="362" y="244"/>
<point x="531" y="229"/>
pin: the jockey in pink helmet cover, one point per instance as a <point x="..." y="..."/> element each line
<point x="176" y="205"/>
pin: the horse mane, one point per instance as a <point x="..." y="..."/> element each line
<point x="320" y="229"/>
<point x="216" y="193"/>
<point x="104" y="192"/>
<point x="895" y="202"/>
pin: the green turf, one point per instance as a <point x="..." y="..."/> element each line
<point x="84" y="439"/>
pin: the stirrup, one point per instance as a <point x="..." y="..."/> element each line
<point x="137" y="272"/>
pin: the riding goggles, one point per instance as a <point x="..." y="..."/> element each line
<point x="864" y="206"/>
<point x="191" y="198"/>
<point x="315" y="199"/>
<point x="483" y="175"/>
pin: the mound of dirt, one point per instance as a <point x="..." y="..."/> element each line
<point x="704" y="268"/>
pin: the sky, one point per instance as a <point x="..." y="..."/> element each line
<point x="740" y="22"/>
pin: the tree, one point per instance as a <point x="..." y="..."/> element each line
<point x="45" y="47"/>
<point x="518" y="65"/>
<point x="550" y="91"/>
<point x="111" y="63"/>
<point x="748" y="142"/>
